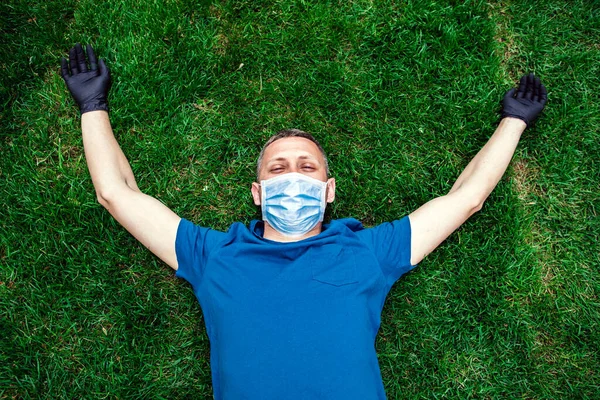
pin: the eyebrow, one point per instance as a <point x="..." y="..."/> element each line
<point x="305" y="157"/>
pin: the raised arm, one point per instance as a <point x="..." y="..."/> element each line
<point x="146" y="218"/>
<point x="433" y="222"/>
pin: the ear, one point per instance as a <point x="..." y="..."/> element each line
<point x="330" y="193"/>
<point x="256" y="193"/>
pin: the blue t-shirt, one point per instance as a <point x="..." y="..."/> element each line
<point x="294" y="320"/>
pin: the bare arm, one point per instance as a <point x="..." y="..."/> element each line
<point x="146" y="218"/>
<point x="433" y="222"/>
<point x="484" y="171"/>
<point x="108" y="165"/>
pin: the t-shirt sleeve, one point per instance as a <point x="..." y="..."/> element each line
<point x="192" y="247"/>
<point x="390" y="242"/>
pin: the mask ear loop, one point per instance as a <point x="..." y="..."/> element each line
<point x="323" y="201"/>
<point x="263" y="196"/>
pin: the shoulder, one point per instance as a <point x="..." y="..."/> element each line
<point x="189" y="233"/>
<point x="382" y="231"/>
<point x="384" y="228"/>
<point x="351" y="224"/>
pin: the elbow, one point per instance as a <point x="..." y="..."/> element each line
<point x="108" y="195"/>
<point x="474" y="203"/>
<point x="477" y="203"/>
<point x="102" y="199"/>
<point x="472" y="209"/>
<point x="105" y="196"/>
<point x="472" y="200"/>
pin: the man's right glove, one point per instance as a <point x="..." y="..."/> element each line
<point x="529" y="101"/>
<point x="89" y="87"/>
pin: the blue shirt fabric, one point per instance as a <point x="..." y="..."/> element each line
<point x="294" y="320"/>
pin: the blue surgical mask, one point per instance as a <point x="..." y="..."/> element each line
<point x="293" y="203"/>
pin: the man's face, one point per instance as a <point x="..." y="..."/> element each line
<point x="293" y="154"/>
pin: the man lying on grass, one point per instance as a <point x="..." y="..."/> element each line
<point x="292" y="306"/>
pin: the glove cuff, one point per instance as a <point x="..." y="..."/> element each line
<point x="100" y="105"/>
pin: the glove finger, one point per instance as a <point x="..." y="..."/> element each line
<point x="510" y="94"/>
<point x="536" y="88"/>
<point x="64" y="69"/>
<point x="73" y="61"/>
<point x="543" y="95"/>
<point x="522" y="87"/>
<point x="529" y="87"/>
<point x="104" y="71"/>
<point x="81" y="58"/>
<point x="92" y="58"/>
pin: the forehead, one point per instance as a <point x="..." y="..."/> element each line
<point x="292" y="147"/>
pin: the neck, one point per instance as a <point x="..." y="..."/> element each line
<point x="276" y="236"/>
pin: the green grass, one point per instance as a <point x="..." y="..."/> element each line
<point x="401" y="94"/>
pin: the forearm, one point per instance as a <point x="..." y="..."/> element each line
<point x="106" y="162"/>
<point x="483" y="173"/>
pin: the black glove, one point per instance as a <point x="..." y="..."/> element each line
<point x="89" y="87"/>
<point x="529" y="101"/>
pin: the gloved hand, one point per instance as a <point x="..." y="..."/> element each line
<point x="529" y="101"/>
<point x="89" y="87"/>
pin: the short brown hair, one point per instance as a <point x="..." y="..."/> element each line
<point x="285" y="134"/>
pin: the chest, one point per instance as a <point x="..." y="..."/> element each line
<point x="239" y="279"/>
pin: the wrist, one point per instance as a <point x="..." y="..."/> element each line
<point x="94" y="118"/>
<point x="514" y="123"/>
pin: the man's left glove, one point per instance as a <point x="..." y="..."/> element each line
<point x="88" y="86"/>
<point x="526" y="102"/>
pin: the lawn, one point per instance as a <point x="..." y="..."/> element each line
<point x="402" y="94"/>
